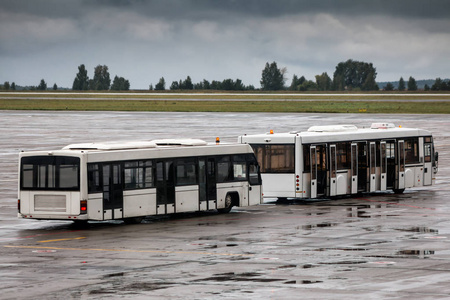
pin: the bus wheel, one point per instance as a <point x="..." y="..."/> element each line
<point x="399" y="191"/>
<point x="80" y="224"/>
<point x="228" y="205"/>
<point x="136" y="220"/>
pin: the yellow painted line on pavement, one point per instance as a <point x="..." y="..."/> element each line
<point x="60" y="240"/>
<point x="133" y="251"/>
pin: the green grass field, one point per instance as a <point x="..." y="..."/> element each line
<point x="307" y="103"/>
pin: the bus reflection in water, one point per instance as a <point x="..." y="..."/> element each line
<point x="328" y="161"/>
<point x="130" y="180"/>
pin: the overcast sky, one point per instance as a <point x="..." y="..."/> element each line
<point x="143" y="41"/>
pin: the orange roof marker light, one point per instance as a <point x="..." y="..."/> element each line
<point x="271" y="131"/>
<point x="217" y="140"/>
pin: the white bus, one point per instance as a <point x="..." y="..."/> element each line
<point x="328" y="161"/>
<point x="130" y="180"/>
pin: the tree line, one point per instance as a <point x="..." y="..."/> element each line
<point x="350" y="75"/>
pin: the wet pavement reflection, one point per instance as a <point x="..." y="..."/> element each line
<point x="373" y="246"/>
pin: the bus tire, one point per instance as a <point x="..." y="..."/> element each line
<point x="228" y="204"/>
<point x="399" y="191"/>
<point x="80" y="223"/>
<point x="135" y="220"/>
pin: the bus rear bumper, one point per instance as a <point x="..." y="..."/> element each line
<point x="52" y="217"/>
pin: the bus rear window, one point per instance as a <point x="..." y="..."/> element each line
<point x="50" y="173"/>
<point x="274" y="158"/>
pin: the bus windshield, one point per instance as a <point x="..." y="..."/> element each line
<point x="50" y="173"/>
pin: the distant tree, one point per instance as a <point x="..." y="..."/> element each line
<point x="150" y="87"/>
<point x="323" y="82"/>
<point x="42" y="85"/>
<point x="440" y="85"/>
<point x="13" y="86"/>
<point x="412" y="85"/>
<point x="296" y="82"/>
<point x="101" y="81"/>
<point x="81" y="81"/>
<point x="401" y="84"/>
<point x="186" y="84"/>
<point x="120" y="84"/>
<point x="370" y="83"/>
<point x="389" y="87"/>
<point x="55" y="87"/>
<point x="174" y="85"/>
<point x="308" y="85"/>
<point x="206" y="85"/>
<point x="426" y="87"/>
<point x="272" y="78"/>
<point x="354" y="74"/>
<point x="6" y="85"/>
<point x="161" y="85"/>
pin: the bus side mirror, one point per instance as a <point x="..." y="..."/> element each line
<point x="436" y="156"/>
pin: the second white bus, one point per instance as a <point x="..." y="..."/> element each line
<point x="327" y="161"/>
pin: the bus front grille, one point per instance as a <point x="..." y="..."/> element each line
<point x="51" y="203"/>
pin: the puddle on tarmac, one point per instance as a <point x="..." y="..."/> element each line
<point x="303" y="281"/>
<point x="417" y="253"/>
<point x="418" y="229"/>
<point x="344" y="262"/>
<point x="320" y="225"/>
<point x="340" y="249"/>
<point x="248" y="276"/>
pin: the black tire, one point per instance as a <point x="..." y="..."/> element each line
<point x="399" y="191"/>
<point x="228" y="205"/>
<point x="135" y="220"/>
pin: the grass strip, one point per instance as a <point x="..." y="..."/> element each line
<point x="229" y="106"/>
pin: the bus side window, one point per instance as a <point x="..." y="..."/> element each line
<point x="412" y="151"/>
<point x="239" y="167"/>
<point x="306" y="159"/>
<point x="186" y="171"/>
<point x="94" y="184"/>
<point x="223" y="169"/>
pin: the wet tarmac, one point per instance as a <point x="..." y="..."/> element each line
<point x="374" y="246"/>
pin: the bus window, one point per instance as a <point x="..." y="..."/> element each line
<point x="223" y="169"/>
<point x="239" y="167"/>
<point x="343" y="156"/>
<point x="138" y="174"/>
<point x="50" y="173"/>
<point x="306" y="159"/>
<point x="186" y="171"/>
<point x="94" y="184"/>
<point x="412" y="151"/>
<point x="427" y="152"/>
<point x="275" y="158"/>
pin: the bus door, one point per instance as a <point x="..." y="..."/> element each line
<point x="318" y="170"/>
<point x="313" y="164"/>
<point x="372" y="166"/>
<point x="428" y="159"/>
<point x="207" y="183"/>
<point x="401" y="165"/>
<point x="165" y="187"/>
<point x="112" y="191"/>
<point x="354" y="168"/>
<point x="333" y="180"/>
<point x="362" y="166"/>
<point x="383" y="166"/>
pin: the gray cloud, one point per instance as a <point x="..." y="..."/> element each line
<point x="145" y="40"/>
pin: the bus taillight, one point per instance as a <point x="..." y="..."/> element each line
<point x="18" y="205"/>
<point x="83" y="206"/>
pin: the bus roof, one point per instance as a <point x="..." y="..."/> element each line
<point x="145" y="149"/>
<point x="335" y="133"/>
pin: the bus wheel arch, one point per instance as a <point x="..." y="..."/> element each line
<point x="231" y="199"/>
